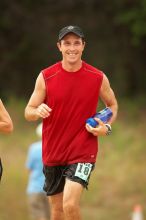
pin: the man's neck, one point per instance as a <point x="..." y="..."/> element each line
<point x="71" y="67"/>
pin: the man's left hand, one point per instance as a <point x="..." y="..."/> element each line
<point x="100" y="130"/>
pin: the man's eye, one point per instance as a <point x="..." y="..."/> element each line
<point x="77" y="43"/>
<point x="66" y="44"/>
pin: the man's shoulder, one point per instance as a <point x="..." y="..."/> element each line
<point x="92" y="69"/>
<point x="51" y="70"/>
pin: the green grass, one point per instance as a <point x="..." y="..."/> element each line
<point x="117" y="183"/>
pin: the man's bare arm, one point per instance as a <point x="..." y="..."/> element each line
<point x="108" y="97"/>
<point x="6" y="124"/>
<point x="36" y="108"/>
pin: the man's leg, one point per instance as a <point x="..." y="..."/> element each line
<point x="56" y="206"/>
<point x="71" y="200"/>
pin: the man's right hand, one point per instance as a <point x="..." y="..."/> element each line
<point x="43" y="111"/>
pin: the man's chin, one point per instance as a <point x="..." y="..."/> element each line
<point x="72" y="62"/>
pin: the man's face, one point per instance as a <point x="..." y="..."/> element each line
<point x="71" y="47"/>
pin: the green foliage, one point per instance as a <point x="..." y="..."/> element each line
<point x="134" y="17"/>
<point x="115" y="34"/>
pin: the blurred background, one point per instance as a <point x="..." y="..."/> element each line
<point x="115" y="43"/>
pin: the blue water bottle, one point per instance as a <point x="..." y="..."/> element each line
<point x="104" y="115"/>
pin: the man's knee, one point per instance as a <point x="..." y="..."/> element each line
<point x="70" y="207"/>
<point x="57" y="209"/>
<point x="57" y="213"/>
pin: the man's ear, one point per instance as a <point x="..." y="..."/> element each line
<point x="59" y="46"/>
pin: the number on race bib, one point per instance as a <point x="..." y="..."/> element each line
<point x="83" y="170"/>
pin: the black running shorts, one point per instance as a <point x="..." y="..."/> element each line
<point x="55" y="176"/>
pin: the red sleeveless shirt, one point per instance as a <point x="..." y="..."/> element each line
<point x="73" y="97"/>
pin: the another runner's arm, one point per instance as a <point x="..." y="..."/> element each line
<point x="108" y="97"/>
<point x="6" y="124"/>
<point x="36" y="108"/>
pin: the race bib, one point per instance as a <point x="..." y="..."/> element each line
<point x="83" y="170"/>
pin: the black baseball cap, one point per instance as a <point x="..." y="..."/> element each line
<point x="70" y="29"/>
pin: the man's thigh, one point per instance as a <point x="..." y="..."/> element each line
<point x="56" y="201"/>
<point x="72" y="192"/>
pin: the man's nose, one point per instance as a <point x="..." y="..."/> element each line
<point x="72" y="47"/>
